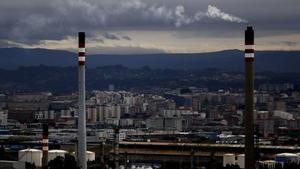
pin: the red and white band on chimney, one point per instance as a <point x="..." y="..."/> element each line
<point x="81" y="49"/>
<point x="249" y="44"/>
<point x="45" y="138"/>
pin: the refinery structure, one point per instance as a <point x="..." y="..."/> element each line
<point x="191" y="128"/>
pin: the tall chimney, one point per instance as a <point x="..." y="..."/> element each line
<point x="81" y="136"/>
<point x="249" y="99"/>
<point x="45" y="146"/>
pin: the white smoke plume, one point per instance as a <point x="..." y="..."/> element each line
<point x="214" y="12"/>
<point x="58" y="19"/>
<point x="178" y="16"/>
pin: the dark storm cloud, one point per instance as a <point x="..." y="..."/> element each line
<point x="111" y="36"/>
<point x="96" y="39"/>
<point x="126" y="37"/>
<point x="33" y="20"/>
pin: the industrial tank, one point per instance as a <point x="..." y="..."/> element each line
<point x="228" y="159"/>
<point x="269" y="163"/>
<point x="241" y="160"/>
<point x="286" y="157"/>
<point x="90" y="156"/>
<point x="31" y="156"/>
<point x="298" y="154"/>
<point x="52" y="154"/>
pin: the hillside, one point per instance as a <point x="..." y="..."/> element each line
<point x="229" y="60"/>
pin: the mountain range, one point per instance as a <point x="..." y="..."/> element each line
<point x="228" y="60"/>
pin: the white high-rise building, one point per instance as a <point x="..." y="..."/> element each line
<point x="3" y="117"/>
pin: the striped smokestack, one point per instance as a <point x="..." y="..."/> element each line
<point x="249" y="99"/>
<point x="81" y="48"/>
<point x="82" y="110"/>
<point x="45" y="146"/>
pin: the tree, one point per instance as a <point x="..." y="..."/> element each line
<point x="57" y="163"/>
<point x="63" y="163"/>
<point x="29" y="165"/>
<point x="70" y="162"/>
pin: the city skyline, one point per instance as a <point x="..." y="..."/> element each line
<point x="166" y="84"/>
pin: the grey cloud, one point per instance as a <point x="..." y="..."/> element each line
<point x="33" y="20"/>
<point x="212" y="12"/>
<point x="57" y="19"/>
<point x="8" y="44"/>
<point x="97" y="39"/>
<point x="100" y="40"/>
<point x="111" y="36"/>
<point x="290" y="43"/>
<point x="286" y="43"/>
<point x="125" y="50"/>
<point x="126" y="37"/>
<point x="179" y="17"/>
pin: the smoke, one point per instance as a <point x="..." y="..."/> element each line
<point x="178" y="17"/>
<point x="105" y="12"/>
<point x="58" y="19"/>
<point x="214" y="12"/>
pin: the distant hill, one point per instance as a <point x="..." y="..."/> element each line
<point x="229" y="60"/>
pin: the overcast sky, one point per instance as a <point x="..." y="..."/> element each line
<point x="149" y="26"/>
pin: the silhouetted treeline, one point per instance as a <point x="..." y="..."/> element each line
<point x="63" y="163"/>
